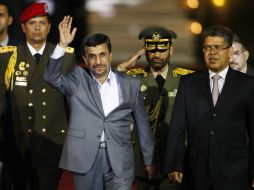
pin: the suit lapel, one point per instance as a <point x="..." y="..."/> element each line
<point x="95" y="93"/>
<point x="204" y="86"/>
<point x="228" y="88"/>
<point x="124" y="88"/>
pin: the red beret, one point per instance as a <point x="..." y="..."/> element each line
<point x="33" y="10"/>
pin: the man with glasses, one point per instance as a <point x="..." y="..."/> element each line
<point x="159" y="83"/>
<point x="238" y="60"/>
<point x="214" y="118"/>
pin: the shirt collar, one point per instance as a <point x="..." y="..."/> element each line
<point x="5" y="42"/>
<point x="110" y="78"/>
<point x="33" y="51"/>
<point x="222" y="74"/>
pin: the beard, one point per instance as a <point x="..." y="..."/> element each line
<point x="157" y="63"/>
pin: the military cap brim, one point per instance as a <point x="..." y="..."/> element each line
<point x="164" y="33"/>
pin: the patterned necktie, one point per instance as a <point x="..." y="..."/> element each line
<point x="215" y="90"/>
<point x="160" y="81"/>
<point x="37" y="57"/>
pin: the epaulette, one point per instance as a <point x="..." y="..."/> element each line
<point x="136" y="72"/>
<point x="181" y="71"/>
<point x="69" y="49"/>
<point x="6" y="49"/>
<point x="9" y="72"/>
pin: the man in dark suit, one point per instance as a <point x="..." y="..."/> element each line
<point x="102" y="102"/>
<point x="238" y="60"/>
<point x="37" y="127"/>
<point x="212" y="114"/>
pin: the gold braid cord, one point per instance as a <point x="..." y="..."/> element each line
<point x="11" y="65"/>
<point x="154" y="115"/>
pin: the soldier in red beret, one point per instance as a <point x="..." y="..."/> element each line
<point x="37" y="125"/>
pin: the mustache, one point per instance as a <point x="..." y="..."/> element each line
<point x="98" y="65"/>
<point x="156" y="59"/>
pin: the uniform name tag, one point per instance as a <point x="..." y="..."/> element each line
<point x="20" y="83"/>
<point x="172" y="93"/>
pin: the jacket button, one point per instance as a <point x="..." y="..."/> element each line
<point x="31" y="91"/>
<point x="44" y="117"/>
<point x="44" y="103"/>
<point x="30" y="104"/>
<point x="43" y="90"/>
<point x="211" y="133"/>
<point x="214" y="114"/>
<point x="43" y="130"/>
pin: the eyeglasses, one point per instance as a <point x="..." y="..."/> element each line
<point x="238" y="52"/>
<point x="215" y="48"/>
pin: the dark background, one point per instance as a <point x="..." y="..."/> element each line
<point x="236" y="14"/>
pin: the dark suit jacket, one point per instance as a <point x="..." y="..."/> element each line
<point x="217" y="151"/>
<point x="36" y="123"/>
<point x="250" y="71"/>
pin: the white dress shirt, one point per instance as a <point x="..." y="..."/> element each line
<point x="221" y="81"/>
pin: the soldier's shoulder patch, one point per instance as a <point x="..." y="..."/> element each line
<point x="137" y="72"/>
<point x="181" y="71"/>
<point x="6" y="49"/>
<point x="69" y="49"/>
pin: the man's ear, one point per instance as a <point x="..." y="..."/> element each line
<point x="10" y="20"/>
<point x="84" y="58"/>
<point x="246" y="55"/>
<point x="231" y="51"/>
<point x="171" y="50"/>
<point x="110" y="56"/>
<point x="23" y="27"/>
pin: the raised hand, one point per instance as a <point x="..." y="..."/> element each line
<point x="131" y="62"/>
<point x="66" y="34"/>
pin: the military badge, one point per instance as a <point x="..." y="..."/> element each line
<point x="143" y="88"/>
<point x="172" y="93"/>
<point x="27" y="65"/>
<point x="22" y="66"/>
<point x="17" y="73"/>
<point x="18" y="78"/>
<point x="25" y="73"/>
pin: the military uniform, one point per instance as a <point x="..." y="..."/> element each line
<point x="159" y="105"/>
<point x="37" y="112"/>
<point x="159" y="95"/>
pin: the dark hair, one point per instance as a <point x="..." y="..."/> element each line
<point x="237" y="39"/>
<point x="218" y="30"/>
<point x="94" y="40"/>
<point x="6" y="4"/>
